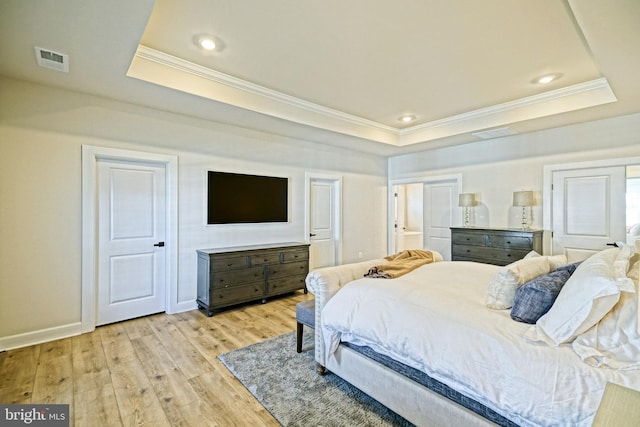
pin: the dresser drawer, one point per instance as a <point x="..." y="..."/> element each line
<point x="477" y="239"/>
<point x="506" y="241"/>
<point x="228" y="263"/>
<point x="491" y="255"/>
<point x="297" y="255"/>
<point x="226" y="296"/>
<point x="222" y="279"/>
<point x="286" y="284"/>
<point x="288" y="269"/>
<point x="265" y="258"/>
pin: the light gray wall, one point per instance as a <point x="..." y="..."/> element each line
<point x="42" y="130"/>
<point x="494" y="169"/>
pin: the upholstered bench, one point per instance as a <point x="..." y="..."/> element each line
<point x="305" y="315"/>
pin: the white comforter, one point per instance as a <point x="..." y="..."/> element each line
<point x="435" y="320"/>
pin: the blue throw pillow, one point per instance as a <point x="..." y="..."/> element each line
<point x="569" y="267"/>
<point x="535" y="298"/>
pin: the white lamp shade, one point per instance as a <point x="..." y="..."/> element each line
<point x="523" y="198"/>
<point x="467" y="199"/>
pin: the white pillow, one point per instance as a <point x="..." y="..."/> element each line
<point x="614" y="342"/>
<point x="503" y="286"/>
<point x="588" y="295"/>
<point x="557" y="261"/>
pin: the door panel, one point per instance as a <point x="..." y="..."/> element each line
<point x="439" y="202"/>
<point x="322" y="227"/>
<point x="131" y="223"/>
<point x="399" y="200"/>
<point x="588" y="210"/>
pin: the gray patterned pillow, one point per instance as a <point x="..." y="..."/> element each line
<point x="535" y="298"/>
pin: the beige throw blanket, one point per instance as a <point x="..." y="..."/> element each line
<point x="402" y="263"/>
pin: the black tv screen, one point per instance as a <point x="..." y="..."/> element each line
<point x="238" y="198"/>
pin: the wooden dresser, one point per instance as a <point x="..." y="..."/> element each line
<point x="229" y="276"/>
<point x="497" y="246"/>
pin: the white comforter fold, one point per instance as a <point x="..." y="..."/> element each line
<point x="435" y="320"/>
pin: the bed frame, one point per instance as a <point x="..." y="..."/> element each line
<point x="415" y="402"/>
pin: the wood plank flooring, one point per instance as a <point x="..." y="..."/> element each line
<point x="160" y="370"/>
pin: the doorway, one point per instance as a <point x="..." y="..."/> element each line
<point x="421" y="212"/>
<point x="129" y="235"/>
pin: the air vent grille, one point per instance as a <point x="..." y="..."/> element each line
<point x="54" y="60"/>
<point x="493" y="133"/>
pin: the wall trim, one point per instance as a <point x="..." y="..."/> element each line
<point x="40" y="336"/>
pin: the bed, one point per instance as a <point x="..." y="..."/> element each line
<point x="436" y="346"/>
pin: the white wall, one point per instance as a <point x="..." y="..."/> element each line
<point x="494" y="169"/>
<point x="42" y="130"/>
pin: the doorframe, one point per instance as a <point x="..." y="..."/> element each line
<point x="336" y="181"/>
<point x="424" y="180"/>
<point x="90" y="157"/>
<point x="547" y="183"/>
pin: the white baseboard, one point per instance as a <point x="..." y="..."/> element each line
<point x="40" y="336"/>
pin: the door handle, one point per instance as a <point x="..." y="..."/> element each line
<point x="312" y="234"/>
<point x="614" y="244"/>
<point x="159" y="244"/>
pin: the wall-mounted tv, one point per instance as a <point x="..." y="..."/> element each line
<point x="237" y="198"/>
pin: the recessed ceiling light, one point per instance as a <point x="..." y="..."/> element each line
<point x="207" y="42"/>
<point x="407" y="118"/>
<point x="547" y="78"/>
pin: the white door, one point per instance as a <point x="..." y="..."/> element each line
<point x="399" y="227"/>
<point x="588" y="210"/>
<point x="131" y="232"/>
<point x="323" y="215"/>
<point x="439" y="202"/>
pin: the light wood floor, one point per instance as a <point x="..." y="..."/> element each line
<point x="160" y="370"/>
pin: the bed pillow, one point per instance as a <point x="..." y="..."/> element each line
<point x="614" y="342"/>
<point x="535" y="298"/>
<point x="502" y="288"/>
<point x="557" y="261"/>
<point x="588" y="295"/>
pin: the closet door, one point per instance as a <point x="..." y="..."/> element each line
<point x="588" y="210"/>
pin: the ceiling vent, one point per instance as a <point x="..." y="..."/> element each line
<point x="493" y="133"/>
<point x="54" y="60"/>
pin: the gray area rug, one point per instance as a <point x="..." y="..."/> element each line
<point x="287" y="384"/>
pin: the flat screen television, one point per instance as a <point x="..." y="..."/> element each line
<point x="238" y="198"/>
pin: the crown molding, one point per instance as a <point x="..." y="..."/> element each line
<point x="168" y="60"/>
<point x="189" y="77"/>
<point x="593" y="85"/>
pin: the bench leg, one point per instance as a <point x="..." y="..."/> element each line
<point x="299" y="327"/>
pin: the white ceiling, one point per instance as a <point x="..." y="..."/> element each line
<point x="342" y="73"/>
